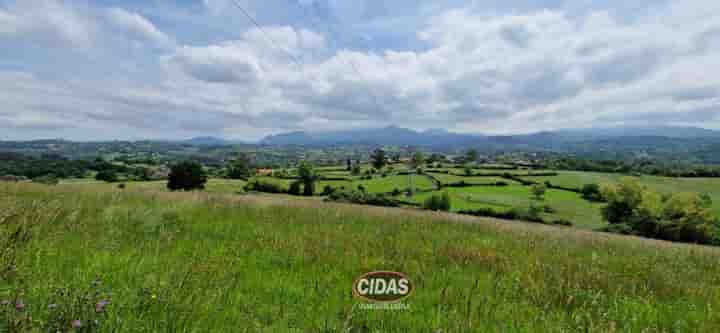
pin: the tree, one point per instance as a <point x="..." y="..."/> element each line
<point x="349" y="165"/>
<point x="356" y="170"/>
<point x="623" y="199"/>
<point x="438" y="202"/>
<point x="295" y="188"/>
<point x="308" y="176"/>
<point x="538" y="191"/>
<point x="378" y="158"/>
<point x="591" y="192"/>
<point x="471" y="155"/>
<point x="240" y="168"/>
<point x="417" y="159"/>
<point x="186" y="176"/>
<point x="106" y="175"/>
<point x="468" y="169"/>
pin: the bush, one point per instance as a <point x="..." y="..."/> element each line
<point x="358" y="197"/>
<point x="263" y="186"/>
<point x="562" y="222"/>
<point x="538" y="191"/>
<point x="327" y="190"/>
<point x="438" y="202"/>
<point x="186" y="176"/>
<point x="683" y="217"/>
<point x="121" y="186"/>
<point x="106" y="176"/>
<point x="295" y="188"/>
<point x="591" y="192"/>
<point x="47" y="180"/>
<point x="513" y="214"/>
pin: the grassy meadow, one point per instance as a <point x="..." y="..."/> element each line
<point x="247" y="263"/>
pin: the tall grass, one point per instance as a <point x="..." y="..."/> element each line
<point x="207" y="263"/>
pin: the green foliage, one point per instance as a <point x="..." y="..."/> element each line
<point x="308" y="176"/>
<point x="591" y="192"/>
<point x="186" y="176"/>
<point x="48" y="179"/>
<point x="256" y="185"/>
<point x="240" y="168"/>
<point x="417" y="159"/>
<point x="538" y="191"/>
<point x="107" y="176"/>
<point x="437" y="202"/>
<point x="378" y="158"/>
<point x="471" y="156"/>
<point x="295" y="188"/>
<point x="684" y="217"/>
<point x="362" y="198"/>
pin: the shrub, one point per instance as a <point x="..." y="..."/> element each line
<point x="591" y="192"/>
<point x="538" y="191"/>
<point x="295" y="188"/>
<point x="47" y="180"/>
<point x="186" y="176"/>
<point x="684" y="217"/>
<point x="438" y="202"/>
<point x="263" y="186"/>
<point x="327" y="190"/>
<point x="106" y="176"/>
<point x="562" y="222"/>
<point x="358" y="197"/>
<point x="396" y="192"/>
<point x="121" y="186"/>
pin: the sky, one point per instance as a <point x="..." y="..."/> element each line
<point x="160" y="69"/>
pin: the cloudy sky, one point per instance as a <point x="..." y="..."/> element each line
<point x="111" y="69"/>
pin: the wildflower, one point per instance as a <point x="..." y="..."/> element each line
<point x="20" y="306"/>
<point x="100" y="306"/>
<point x="52" y="306"/>
<point x="76" y="323"/>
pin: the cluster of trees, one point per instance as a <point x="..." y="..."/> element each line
<point x="438" y="202"/>
<point x="361" y="197"/>
<point x="46" y="165"/>
<point x="186" y="176"/>
<point x="685" y="217"/>
<point x="633" y="166"/>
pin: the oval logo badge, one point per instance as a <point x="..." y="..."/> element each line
<point x="383" y="287"/>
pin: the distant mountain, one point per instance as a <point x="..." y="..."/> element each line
<point x="440" y="138"/>
<point x="208" y="141"/>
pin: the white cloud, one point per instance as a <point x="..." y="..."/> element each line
<point x="46" y="22"/>
<point x="477" y="72"/>
<point x="138" y="27"/>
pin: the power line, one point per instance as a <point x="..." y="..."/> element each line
<point x="332" y="33"/>
<point x="266" y="35"/>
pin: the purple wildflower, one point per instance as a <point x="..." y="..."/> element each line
<point x="100" y="306"/>
<point x="76" y="323"/>
<point x="20" y="306"/>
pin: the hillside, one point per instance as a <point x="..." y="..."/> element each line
<point x="212" y="262"/>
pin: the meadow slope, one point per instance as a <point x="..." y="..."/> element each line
<point x="245" y="263"/>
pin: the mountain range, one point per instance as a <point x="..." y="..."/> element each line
<point x="393" y="135"/>
<point x="609" y="139"/>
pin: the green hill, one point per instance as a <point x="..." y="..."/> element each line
<point x="248" y="263"/>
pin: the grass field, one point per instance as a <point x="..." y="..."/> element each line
<point x="577" y="179"/>
<point x="568" y="205"/>
<point x="450" y="179"/>
<point x="196" y="262"/>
